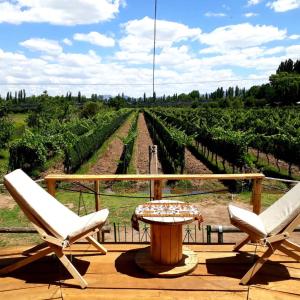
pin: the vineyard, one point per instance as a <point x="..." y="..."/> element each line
<point x="233" y="140"/>
<point x="222" y="140"/>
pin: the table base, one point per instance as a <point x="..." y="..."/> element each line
<point x="187" y="264"/>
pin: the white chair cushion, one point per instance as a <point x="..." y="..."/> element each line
<point x="247" y="221"/>
<point x="88" y="223"/>
<point x="277" y="216"/>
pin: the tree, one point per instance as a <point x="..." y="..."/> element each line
<point x="297" y="67"/>
<point x="195" y="95"/>
<point x="90" y="109"/>
<point x="286" y="66"/>
<point x="79" y="97"/>
<point x="286" y="86"/>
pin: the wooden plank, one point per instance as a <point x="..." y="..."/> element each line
<point x="236" y="257"/>
<point x="116" y="276"/>
<point x="35" y="293"/>
<point x="86" y="177"/>
<point x="291" y="286"/>
<point x="144" y="281"/>
<point x="165" y="241"/>
<point x="155" y="241"/>
<point x="134" y="294"/>
<point x="14" y="283"/>
<point x="259" y="293"/>
<point x="176" y="243"/>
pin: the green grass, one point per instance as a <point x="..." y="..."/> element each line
<point x="19" y="121"/>
<point x="266" y="198"/>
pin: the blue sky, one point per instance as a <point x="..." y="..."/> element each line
<point x="106" y="46"/>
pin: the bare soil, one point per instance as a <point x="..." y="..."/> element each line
<point x="6" y="202"/>
<point x="142" y="147"/>
<point x="108" y="162"/>
<point x="195" y="166"/>
<point x="58" y="168"/>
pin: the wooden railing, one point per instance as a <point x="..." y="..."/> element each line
<point x="158" y="179"/>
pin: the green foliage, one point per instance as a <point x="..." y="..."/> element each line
<point x="90" y="109"/>
<point x="170" y="141"/>
<point x="28" y="153"/>
<point x="287" y="87"/>
<point x="128" y="142"/>
<point x="6" y="130"/>
<point x="83" y="147"/>
<point x="229" y="133"/>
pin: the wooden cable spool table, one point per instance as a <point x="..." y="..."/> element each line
<point x="166" y="255"/>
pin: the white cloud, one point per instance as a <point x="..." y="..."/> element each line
<point x="253" y="2"/>
<point x="137" y="44"/>
<point x="230" y="48"/>
<point x="284" y="5"/>
<point x="67" y="42"/>
<point x="293" y="51"/>
<point x="59" y="12"/>
<point x="294" y="37"/>
<point x="95" y="38"/>
<point x="238" y="36"/>
<point x="212" y="14"/>
<point x="48" y="46"/>
<point x="250" y="15"/>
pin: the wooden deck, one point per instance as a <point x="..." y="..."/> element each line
<point x="115" y="276"/>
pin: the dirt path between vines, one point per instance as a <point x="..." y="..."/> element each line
<point x="108" y="162"/>
<point x="142" y="145"/>
<point x="195" y="166"/>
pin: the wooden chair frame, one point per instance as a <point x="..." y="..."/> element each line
<point x="279" y="241"/>
<point x="51" y="244"/>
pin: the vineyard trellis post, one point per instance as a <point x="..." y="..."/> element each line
<point x="153" y="169"/>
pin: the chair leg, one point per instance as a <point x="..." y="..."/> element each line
<point x="291" y="245"/>
<point x="289" y="252"/>
<point x="69" y="266"/>
<point x="35" y="248"/>
<point x="25" y="261"/>
<point x="240" y="244"/>
<point x="96" y="244"/>
<point x="259" y="263"/>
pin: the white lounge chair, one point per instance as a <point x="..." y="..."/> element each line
<point x="57" y="225"/>
<point x="272" y="228"/>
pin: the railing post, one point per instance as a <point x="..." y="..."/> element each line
<point x="157" y="190"/>
<point x="51" y="186"/>
<point x="256" y="195"/>
<point x="97" y="202"/>
<point x="208" y="234"/>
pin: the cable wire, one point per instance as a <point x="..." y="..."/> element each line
<point x="154" y="50"/>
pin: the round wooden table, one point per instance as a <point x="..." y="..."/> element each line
<point x="166" y="255"/>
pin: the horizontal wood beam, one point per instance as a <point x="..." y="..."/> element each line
<point x="144" y="177"/>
